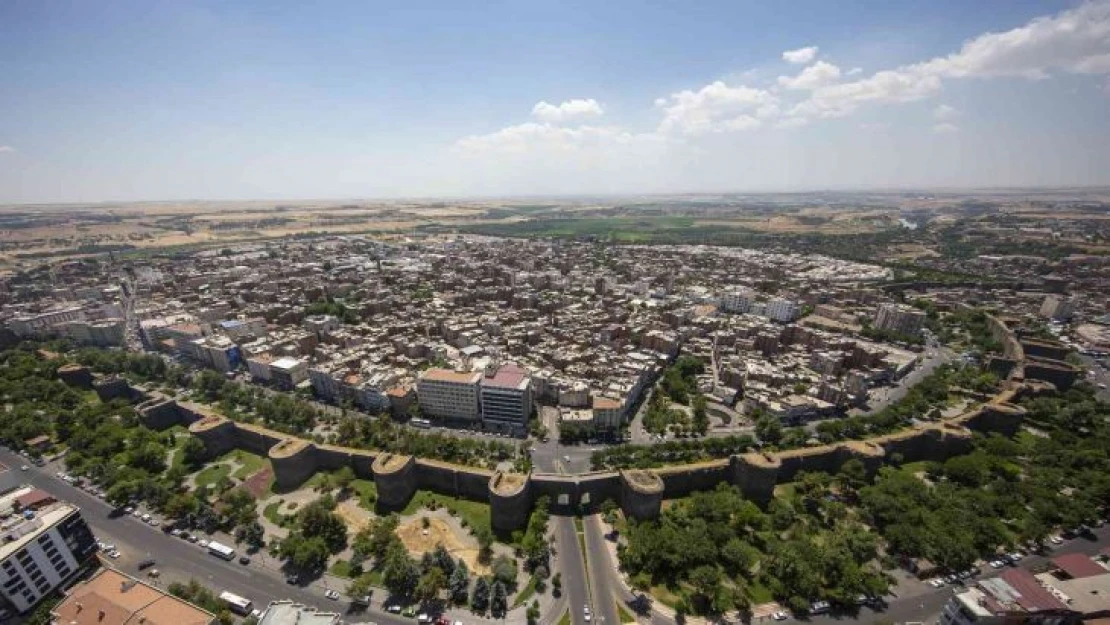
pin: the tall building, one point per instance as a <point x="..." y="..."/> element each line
<point x="112" y="598"/>
<point x="506" y="394"/>
<point x="1058" y="307"/>
<point x="900" y="319"/>
<point x="782" y="310"/>
<point x="447" y="394"/>
<point x="43" y="543"/>
<point x="737" y="301"/>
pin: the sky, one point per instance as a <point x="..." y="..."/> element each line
<point x="274" y="99"/>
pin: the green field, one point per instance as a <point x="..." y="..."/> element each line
<point x="526" y="593"/>
<point x="473" y="513"/>
<point x="211" y="474"/>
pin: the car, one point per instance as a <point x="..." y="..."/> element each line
<point x="1056" y="540"/>
<point x="24" y="468"/>
<point x="145" y="518"/>
<point x="997" y="564"/>
<point x="191" y="537"/>
<point x="332" y="594"/>
<point x="423" y="618"/>
<point x="176" y="532"/>
<point x="409" y="612"/>
<point x="146" y="564"/>
<point x="586" y="613"/>
<point x="936" y="582"/>
<point x="153" y="522"/>
<point x="108" y="547"/>
<point x="137" y="513"/>
<point x="154" y="573"/>
<point x="819" y="607"/>
<point x="779" y="616"/>
<point x="202" y="544"/>
<point x="394" y="608"/>
<point x="951" y="579"/>
<point x="128" y="510"/>
<point x="244" y="560"/>
<point x="114" y="554"/>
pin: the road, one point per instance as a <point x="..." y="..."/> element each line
<point x="604" y="583"/>
<point x="572" y="567"/>
<point x="179" y="560"/>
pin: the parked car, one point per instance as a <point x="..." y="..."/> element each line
<point x="332" y="594"/>
<point x="936" y="582"/>
<point x="146" y="564"/>
<point x="244" y="560"/>
<point x="997" y="564"/>
<point x="780" y="616"/>
<point x="819" y="607"/>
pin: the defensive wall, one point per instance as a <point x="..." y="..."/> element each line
<point x="639" y="492"/>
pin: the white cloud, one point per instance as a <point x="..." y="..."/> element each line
<point x="571" y="110"/>
<point x="944" y="112"/>
<point x="817" y="75"/>
<point x="6" y="148"/>
<point x="945" y="128"/>
<point x="854" y="71"/>
<point x="791" y="122"/>
<point x="530" y="136"/>
<point x="1075" y="41"/>
<point x="716" y="107"/>
<point x="801" y="56"/>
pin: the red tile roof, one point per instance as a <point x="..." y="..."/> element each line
<point x="1031" y="596"/>
<point x="1078" y="565"/>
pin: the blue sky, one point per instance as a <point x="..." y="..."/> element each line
<point x="240" y="100"/>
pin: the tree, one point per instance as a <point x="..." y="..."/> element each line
<point x="769" y="429"/>
<point x="504" y="570"/>
<point x="458" y="585"/>
<point x="343" y="478"/>
<point x="399" y="572"/>
<point x="430" y="584"/>
<point x="193" y="452"/>
<point x="306" y="554"/>
<point x="499" y="599"/>
<point x="485" y="543"/>
<point x="317" y="519"/>
<point x="374" y="540"/>
<point x="479" y="600"/>
<point x="253" y="534"/>
<point x="443" y="559"/>
<point x="701" y="415"/>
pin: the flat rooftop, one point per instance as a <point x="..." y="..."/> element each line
<point x="449" y="375"/>
<point x="16" y="530"/>
<point x="289" y="613"/>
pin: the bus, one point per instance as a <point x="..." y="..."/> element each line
<point x="221" y="550"/>
<point x="420" y="423"/>
<point x="235" y="603"/>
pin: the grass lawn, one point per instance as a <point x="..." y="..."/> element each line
<point x="211" y="474"/>
<point x="666" y="596"/>
<point x="341" y="568"/>
<point x="578" y="527"/>
<point x="367" y="493"/>
<point x="759" y="593"/>
<point x="914" y="467"/>
<point x="624" y="615"/>
<point x="271" y="513"/>
<point x="565" y="620"/>
<point x="524" y="595"/>
<point x="251" y="463"/>
<point x="475" y="514"/>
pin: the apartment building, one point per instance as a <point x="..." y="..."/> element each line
<point x="782" y="310"/>
<point x="288" y="372"/>
<point x="43" y="543"/>
<point x="737" y="301"/>
<point x="900" y="319"/>
<point x="112" y="598"/>
<point x="1058" y="307"/>
<point x="448" y="394"/>
<point x="506" y="398"/>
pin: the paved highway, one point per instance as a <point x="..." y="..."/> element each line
<point x="604" y="583"/>
<point x="179" y="560"/>
<point x="572" y="567"/>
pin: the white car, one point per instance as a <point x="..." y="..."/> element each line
<point x="114" y="554"/>
<point x="332" y="594"/>
<point x="997" y="564"/>
<point x="1056" y="540"/>
<point x="936" y="582"/>
<point x="203" y="544"/>
<point x="779" y="616"/>
<point x="24" y="468"/>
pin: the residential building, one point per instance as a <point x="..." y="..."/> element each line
<point x="782" y="310"/>
<point x="112" y="598"/>
<point x="608" y="414"/>
<point x="43" y="544"/>
<point x="448" y="394"/>
<point x="288" y="372"/>
<point x="899" y="319"/>
<point x="737" y="301"/>
<point x="1058" y="307"/>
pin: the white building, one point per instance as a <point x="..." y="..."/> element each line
<point x="782" y="310"/>
<point x="288" y="372"/>
<point x="447" y="394"/>
<point x="43" y="543"/>
<point x="737" y="301"/>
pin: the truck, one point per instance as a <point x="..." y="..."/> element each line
<point x="235" y="603"/>
<point x="221" y="550"/>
